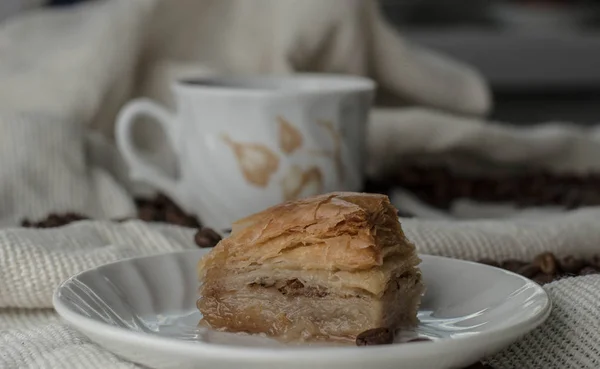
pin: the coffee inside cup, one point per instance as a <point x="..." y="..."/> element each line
<point x="232" y="84"/>
<point x="304" y="82"/>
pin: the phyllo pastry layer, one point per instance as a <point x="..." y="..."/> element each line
<point x="326" y="267"/>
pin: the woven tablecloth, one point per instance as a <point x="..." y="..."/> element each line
<point x="65" y="72"/>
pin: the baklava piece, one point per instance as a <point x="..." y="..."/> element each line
<point x="323" y="268"/>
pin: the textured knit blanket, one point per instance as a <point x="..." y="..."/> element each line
<point x="64" y="73"/>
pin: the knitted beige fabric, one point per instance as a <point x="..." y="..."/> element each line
<point x="570" y="338"/>
<point x="33" y="262"/>
<point x="63" y="71"/>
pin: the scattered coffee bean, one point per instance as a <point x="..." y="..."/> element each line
<point x="546" y="268"/>
<point x="162" y="200"/>
<point x="147" y="213"/>
<point x="206" y="237"/>
<point x="162" y="209"/>
<point x="157" y="209"/>
<point x="440" y="186"/>
<point x="571" y="265"/>
<point x="376" y="336"/>
<point x="180" y="218"/>
<point x="547" y="263"/>
<point x="589" y="270"/>
<point x="54" y="220"/>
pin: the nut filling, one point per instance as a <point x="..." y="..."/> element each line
<point x="291" y="288"/>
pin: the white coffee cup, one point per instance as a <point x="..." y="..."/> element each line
<point x="246" y="143"/>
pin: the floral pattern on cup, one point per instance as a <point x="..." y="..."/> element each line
<point x="256" y="161"/>
<point x="290" y="138"/>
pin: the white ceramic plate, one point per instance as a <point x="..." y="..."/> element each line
<point x="144" y="310"/>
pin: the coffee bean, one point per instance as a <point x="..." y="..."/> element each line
<point x="162" y="209"/>
<point x="588" y="270"/>
<point x="174" y="216"/>
<point x="206" y="237"/>
<point x="571" y="265"/>
<point x="162" y="201"/>
<point x="547" y="263"/>
<point x="376" y="336"/>
<point x="148" y="214"/>
<point x="179" y="218"/>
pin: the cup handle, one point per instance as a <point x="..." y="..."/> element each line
<point x="139" y="167"/>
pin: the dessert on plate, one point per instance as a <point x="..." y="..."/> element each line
<point x="322" y="268"/>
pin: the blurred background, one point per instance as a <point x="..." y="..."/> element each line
<point x="540" y="56"/>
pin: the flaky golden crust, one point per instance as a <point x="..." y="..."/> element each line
<point x="328" y="266"/>
<point x="337" y="231"/>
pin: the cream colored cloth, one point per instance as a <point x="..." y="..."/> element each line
<point x="33" y="262"/>
<point x="67" y="71"/>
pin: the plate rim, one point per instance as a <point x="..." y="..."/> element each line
<point x="257" y="354"/>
